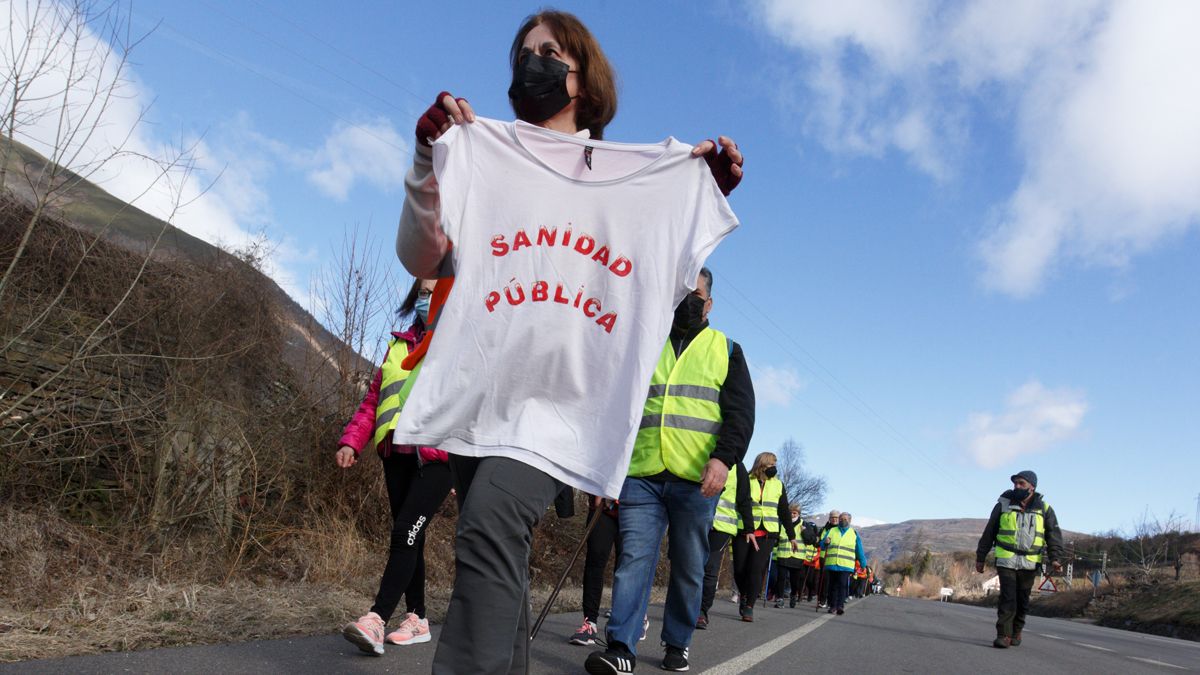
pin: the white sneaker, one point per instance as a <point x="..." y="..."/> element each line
<point x="645" y="627"/>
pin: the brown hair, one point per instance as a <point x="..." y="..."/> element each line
<point x="759" y="470"/>
<point x="597" y="103"/>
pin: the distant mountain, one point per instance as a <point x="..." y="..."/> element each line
<point x="883" y="543"/>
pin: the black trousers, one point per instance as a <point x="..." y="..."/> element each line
<point x="1015" y="587"/>
<point x="487" y="623"/>
<point x="839" y="588"/>
<point x="717" y="543"/>
<point x="600" y="545"/>
<point x="415" y="494"/>
<point x="812" y="579"/>
<point x="789" y="577"/>
<point x="749" y="566"/>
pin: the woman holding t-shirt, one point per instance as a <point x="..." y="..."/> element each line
<point x="562" y="81"/>
<point x="417" y="480"/>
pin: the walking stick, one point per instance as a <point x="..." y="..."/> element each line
<point x="821" y="584"/>
<point x="566" y="571"/>
<point x="804" y="584"/>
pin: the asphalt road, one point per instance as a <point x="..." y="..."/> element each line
<point x="876" y="635"/>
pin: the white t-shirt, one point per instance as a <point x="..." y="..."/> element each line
<point x="567" y="278"/>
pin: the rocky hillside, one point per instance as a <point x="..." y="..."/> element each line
<point x="89" y="209"/>
<point x="883" y="543"/>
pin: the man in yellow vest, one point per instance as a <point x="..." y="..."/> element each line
<point x="1024" y="531"/>
<point x="696" y="425"/>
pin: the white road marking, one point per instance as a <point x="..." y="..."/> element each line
<point x="1052" y="637"/>
<point x="765" y="651"/>
<point x="1084" y="644"/>
<point x="1157" y="663"/>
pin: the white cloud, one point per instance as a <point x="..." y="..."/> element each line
<point x="1101" y="94"/>
<point x="1034" y="419"/>
<point x="372" y="152"/>
<point x="776" y="385"/>
<point x="221" y="194"/>
<point x="104" y="138"/>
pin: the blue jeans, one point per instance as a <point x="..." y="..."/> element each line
<point x="647" y="509"/>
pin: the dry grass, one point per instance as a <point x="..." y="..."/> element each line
<point x="77" y="589"/>
<point x="73" y="590"/>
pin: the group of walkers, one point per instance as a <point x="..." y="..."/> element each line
<point x="808" y="574"/>
<point x="552" y="265"/>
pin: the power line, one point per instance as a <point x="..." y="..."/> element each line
<point x="254" y="69"/>
<point x="874" y="416"/>
<point x="825" y="418"/>
<point x="245" y="26"/>
<point x="316" y="37"/>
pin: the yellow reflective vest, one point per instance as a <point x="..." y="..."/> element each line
<point x="842" y="550"/>
<point x="766" y="504"/>
<point x="394" y="387"/>
<point x="725" y="519"/>
<point x="783" y="550"/>
<point x="1013" y="545"/>
<point x="682" y="415"/>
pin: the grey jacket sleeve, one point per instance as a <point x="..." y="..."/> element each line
<point x="988" y="540"/>
<point x="1054" y="538"/>
<point x="420" y="242"/>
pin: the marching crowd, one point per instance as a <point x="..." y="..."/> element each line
<point x="521" y="411"/>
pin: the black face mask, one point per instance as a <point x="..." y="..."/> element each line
<point x="1019" y="495"/>
<point x="690" y="312"/>
<point x="539" y="88"/>
<point x="771" y="471"/>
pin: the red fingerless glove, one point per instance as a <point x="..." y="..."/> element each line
<point x="430" y="124"/>
<point x="721" y="167"/>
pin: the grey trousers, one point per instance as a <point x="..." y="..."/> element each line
<point x="487" y="623"/>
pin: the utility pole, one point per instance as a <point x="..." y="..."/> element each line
<point x="1196" y="518"/>
<point x="1070" y="563"/>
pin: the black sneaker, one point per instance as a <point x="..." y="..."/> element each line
<point x="702" y="622"/>
<point x="779" y="604"/>
<point x="610" y="661"/>
<point x="748" y="613"/>
<point x="675" y="659"/>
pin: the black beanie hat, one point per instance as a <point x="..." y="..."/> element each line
<point x="1029" y="477"/>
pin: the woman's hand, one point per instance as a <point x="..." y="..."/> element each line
<point x="726" y="166"/>
<point x="346" y="457"/>
<point x="752" y="540"/>
<point x="444" y="112"/>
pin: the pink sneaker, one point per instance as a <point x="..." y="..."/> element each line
<point x="367" y="633"/>
<point x="413" y="630"/>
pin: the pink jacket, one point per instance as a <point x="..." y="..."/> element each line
<point x="361" y="428"/>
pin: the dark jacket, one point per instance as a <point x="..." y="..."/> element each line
<point x="785" y="514"/>
<point x="1053" y="535"/>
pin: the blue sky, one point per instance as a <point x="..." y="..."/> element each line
<point x="969" y="230"/>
